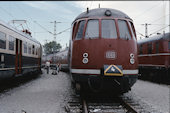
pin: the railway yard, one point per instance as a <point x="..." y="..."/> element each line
<point x="76" y="57"/>
<point x="53" y="94"/>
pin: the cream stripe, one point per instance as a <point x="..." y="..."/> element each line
<point x="97" y="71"/>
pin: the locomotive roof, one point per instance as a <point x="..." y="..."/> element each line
<point x="100" y="12"/>
<point x="165" y="36"/>
<point x="17" y="31"/>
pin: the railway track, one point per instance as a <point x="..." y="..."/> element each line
<point x="116" y="104"/>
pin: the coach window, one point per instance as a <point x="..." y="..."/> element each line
<point x="92" y="30"/>
<point x="140" y="49"/>
<point x="123" y="30"/>
<point x="33" y="49"/>
<point x="109" y="29"/>
<point x="25" y="47"/>
<point x="157" y="47"/>
<point x="11" y="43"/>
<point x="79" y="34"/>
<point x="149" y="48"/>
<point x="29" y="49"/>
<point x="36" y="51"/>
<point x="2" y="40"/>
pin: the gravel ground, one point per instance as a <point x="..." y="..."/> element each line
<point x="156" y="96"/>
<point x="49" y="94"/>
<point x="43" y="95"/>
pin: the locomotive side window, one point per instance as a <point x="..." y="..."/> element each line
<point x="132" y="29"/>
<point x="169" y="45"/>
<point x="2" y="40"/>
<point x="109" y="29"/>
<point x="79" y="34"/>
<point x="25" y="47"/>
<point x="92" y="30"/>
<point x="123" y="30"/>
<point x="11" y="43"/>
<point x="157" y="47"/>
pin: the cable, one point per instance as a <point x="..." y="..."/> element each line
<point x="90" y="4"/>
<point x="147" y="10"/>
<point x="140" y="34"/>
<point x="63" y="31"/>
<point x="43" y="27"/>
<point x="7" y="12"/>
<point x="159" y="30"/>
<point x="159" y="18"/>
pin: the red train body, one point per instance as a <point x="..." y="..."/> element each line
<point x="103" y="50"/>
<point x="154" y="58"/>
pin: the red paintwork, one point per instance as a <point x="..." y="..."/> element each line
<point x="158" y="60"/>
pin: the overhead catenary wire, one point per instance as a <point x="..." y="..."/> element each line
<point x="140" y="33"/>
<point x="159" y="18"/>
<point x="159" y="30"/>
<point x="146" y="11"/>
<point x="63" y="31"/>
<point x="43" y="27"/>
<point x="7" y="12"/>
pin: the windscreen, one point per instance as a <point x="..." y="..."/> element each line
<point x="92" y="30"/>
<point x="123" y="30"/>
<point x="109" y="29"/>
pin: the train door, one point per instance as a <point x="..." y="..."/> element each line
<point x="18" y="60"/>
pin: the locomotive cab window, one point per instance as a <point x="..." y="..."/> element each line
<point x="73" y="30"/>
<point x="109" y="29"/>
<point x="11" y="43"/>
<point x="79" y="34"/>
<point x="2" y="40"/>
<point x="92" y="30"/>
<point x="132" y="29"/>
<point x="123" y="30"/>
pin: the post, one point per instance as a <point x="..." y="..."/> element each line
<point x="146" y="30"/>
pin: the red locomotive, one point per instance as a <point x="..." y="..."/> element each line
<point x="103" y="51"/>
<point x="154" y="58"/>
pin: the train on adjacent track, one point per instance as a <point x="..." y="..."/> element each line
<point x="103" y="51"/>
<point x="20" y="54"/>
<point x="154" y="58"/>
<point x="60" y="58"/>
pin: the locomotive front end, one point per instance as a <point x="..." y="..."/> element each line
<point x="103" y="50"/>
